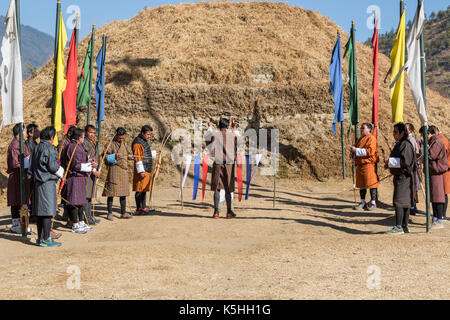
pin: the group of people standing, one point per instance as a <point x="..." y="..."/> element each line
<point x="70" y="174"/>
<point x="405" y="165"/>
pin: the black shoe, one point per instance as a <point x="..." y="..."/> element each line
<point x="93" y="222"/>
<point x="231" y="215"/>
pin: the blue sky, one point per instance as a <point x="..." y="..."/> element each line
<point x="41" y="14"/>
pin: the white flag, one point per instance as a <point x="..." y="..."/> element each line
<point x="414" y="64"/>
<point x="11" y="71"/>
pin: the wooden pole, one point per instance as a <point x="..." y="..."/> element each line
<point x="181" y="185"/>
<point x="344" y="169"/>
<point x="91" y="73"/>
<point x="426" y="154"/>
<point x="355" y="77"/>
<point x="77" y="29"/>
<point x="58" y="10"/>
<point x="24" y="218"/>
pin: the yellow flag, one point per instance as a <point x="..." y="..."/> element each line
<point x="397" y="62"/>
<point x="60" y="79"/>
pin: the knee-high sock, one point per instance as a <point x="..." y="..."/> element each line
<point x="363" y="193"/>
<point x="74" y="214"/>
<point x="446" y="206"/>
<point x="144" y="200"/>
<point x="228" y="199"/>
<point x="123" y="205"/>
<point x="110" y="204"/>
<point x="399" y="216"/>
<point x="216" y="201"/>
<point x="39" y="228"/>
<point x="46" y="228"/>
<point x="374" y="195"/>
<point x="80" y="214"/>
<point x="15" y="212"/>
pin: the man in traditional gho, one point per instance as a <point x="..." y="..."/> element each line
<point x="79" y="169"/>
<point x="90" y="147"/>
<point x="61" y="149"/>
<point x="417" y="144"/>
<point x="32" y="135"/>
<point x="143" y="156"/>
<point x="438" y="166"/>
<point x="45" y="172"/>
<point x="366" y="156"/>
<point x="447" y="174"/>
<point x="402" y="164"/>
<point x="223" y="149"/>
<point x="117" y="184"/>
<point x="13" y="190"/>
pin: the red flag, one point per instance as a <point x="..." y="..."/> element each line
<point x="239" y="177"/>
<point x="70" y="95"/>
<point x="205" y="174"/>
<point x="376" y="82"/>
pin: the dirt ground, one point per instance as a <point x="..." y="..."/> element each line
<point x="312" y="246"/>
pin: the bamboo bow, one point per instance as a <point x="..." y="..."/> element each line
<point x="157" y="169"/>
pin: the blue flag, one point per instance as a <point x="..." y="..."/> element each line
<point x="336" y="84"/>
<point x="100" y="85"/>
<point x="249" y="175"/>
<point x="198" y="160"/>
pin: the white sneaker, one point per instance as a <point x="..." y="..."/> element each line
<point x="16" y="229"/>
<point x="79" y="229"/>
<point x="85" y="226"/>
<point x="437" y="226"/>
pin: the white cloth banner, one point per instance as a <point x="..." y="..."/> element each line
<point x="188" y="161"/>
<point x="11" y="71"/>
<point x="413" y="64"/>
<point x="258" y="158"/>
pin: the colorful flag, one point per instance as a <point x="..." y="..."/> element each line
<point x="239" y="177"/>
<point x="70" y="94"/>
<point x="336" y="84"/>
<point x="353" y="81"/>
<point x="249" y="174"/>
<point x="197" y="164"/>
<point x="60" y="83"/>
<point x="11" y="71"/>
<point x="376" y="82"/>
<point x="84" y="94"/>
<point x="205" y="174"/>
<point x="414" y="63"/>
<point x="397" y="74"/>
<point x="100" y="84"/>
<point x="188" y="161"/>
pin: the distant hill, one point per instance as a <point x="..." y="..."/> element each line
<point x="437" y="49"/>
<point x="37" y="47"/>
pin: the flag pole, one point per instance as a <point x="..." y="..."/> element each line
<point x="58" y="9"/>
<point x="344" y="169"/>
<point x="355" y="75"/>
<point x="92" y="78"/>
<point x="77" y="29"/>
<point x="426" y="155"/>
<point x="24" y="222"/>
<point x="99" y="122"/>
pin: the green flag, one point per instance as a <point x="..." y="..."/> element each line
<point x="84" y="92"/>
<point x="353" y="81"/>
